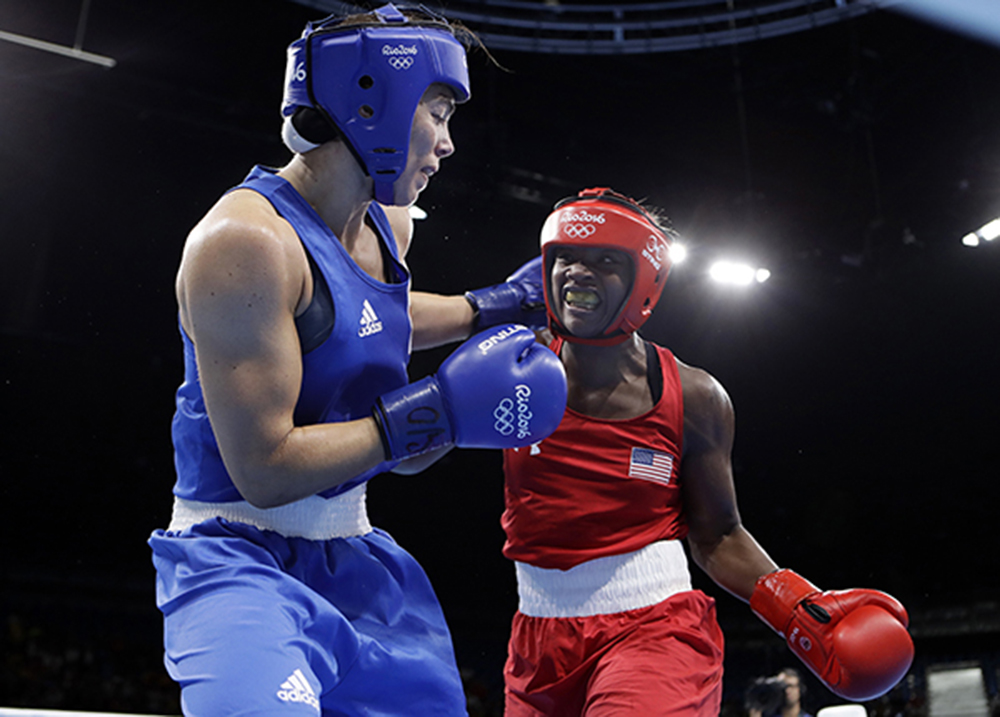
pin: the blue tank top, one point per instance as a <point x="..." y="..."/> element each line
<point x="364" y="356"/>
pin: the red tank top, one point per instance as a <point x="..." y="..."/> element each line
<point x="598" y="487"/>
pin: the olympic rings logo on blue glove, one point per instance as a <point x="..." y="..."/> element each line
<point x="506" y="415"/>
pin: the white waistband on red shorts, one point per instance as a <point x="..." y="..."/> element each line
<point x="315" y="518"/>
<point x="605" y="586"/>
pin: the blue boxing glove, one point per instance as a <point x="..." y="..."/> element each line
<point x="499" y="389"/>
<point x="520" y="299"/>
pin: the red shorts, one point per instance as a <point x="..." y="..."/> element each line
<point x="665" y="659"/>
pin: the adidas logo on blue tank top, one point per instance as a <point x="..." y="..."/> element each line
<point x="370" y="323"/>
<point x="296" y="689"/>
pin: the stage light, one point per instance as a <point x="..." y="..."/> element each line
<point x="417" y="213"/>
<point x="735" y="273"/>
<point x="988" y="232"/>
<point x="991" y="230"/>
<point x="678" y="253"/>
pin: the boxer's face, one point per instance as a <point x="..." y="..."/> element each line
<point x="589" y="285"/>
<point x="430" y="143"/>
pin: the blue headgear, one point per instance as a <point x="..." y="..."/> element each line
<point x="365" y="81"/>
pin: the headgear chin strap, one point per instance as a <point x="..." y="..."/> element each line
<point x="363" y="82"/>
<point x="600" y="217"/>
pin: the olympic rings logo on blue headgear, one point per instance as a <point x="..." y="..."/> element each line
<point x="400" y="56"/>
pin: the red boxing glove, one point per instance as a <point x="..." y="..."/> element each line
<point x="855" y="641"/>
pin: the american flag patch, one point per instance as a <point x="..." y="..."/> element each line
<point x="651" y="465"/>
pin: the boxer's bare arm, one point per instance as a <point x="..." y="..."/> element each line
<point x="719" y="543"/>
<point x="241" y="280"/>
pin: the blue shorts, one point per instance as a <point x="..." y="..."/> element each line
<point x="259" y="624"/>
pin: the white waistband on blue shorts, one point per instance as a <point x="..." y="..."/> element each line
<point x="605" y="586"/>
<point x="315" y="518"/>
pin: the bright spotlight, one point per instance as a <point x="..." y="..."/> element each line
<point x="678" y="253"/>
<point x="987" y="232"/>
<point x="762" y="275"/>
<point x="416" y="212"/>
<point x="990" y="230"/>
<point x="728" y="272"/>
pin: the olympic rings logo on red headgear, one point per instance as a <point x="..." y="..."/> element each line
<point x="579" y="231"/>
<point x="656" y="247"/>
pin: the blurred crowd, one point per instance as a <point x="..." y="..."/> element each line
<point x="61" y="667"/>
<point x="81" y="666"/>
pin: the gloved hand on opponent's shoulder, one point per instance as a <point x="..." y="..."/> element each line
<point x="520" y="299"/>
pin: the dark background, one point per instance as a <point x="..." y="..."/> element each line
<point x="864" y="373"/>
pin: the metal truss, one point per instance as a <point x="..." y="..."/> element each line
<point x="603" y="28"/>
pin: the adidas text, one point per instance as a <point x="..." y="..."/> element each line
<point x="296" y="689"/>
<point x="370" y="323"/>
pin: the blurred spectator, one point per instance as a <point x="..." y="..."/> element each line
<point x="778" y="696"/>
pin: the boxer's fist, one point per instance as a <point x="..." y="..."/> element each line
<point x="855" y="641"/>
<point x="520" y="299"/>
<point x="499" y="389"/>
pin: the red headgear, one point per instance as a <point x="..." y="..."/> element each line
<point x="600" y="217"/>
